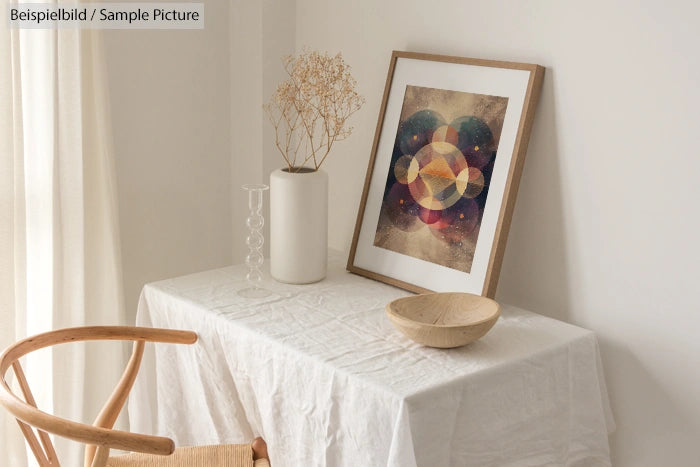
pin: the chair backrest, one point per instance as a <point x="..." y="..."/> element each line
<point x="99" y="437"/>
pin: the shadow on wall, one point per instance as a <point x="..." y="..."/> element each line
<point x="535" y="272"/>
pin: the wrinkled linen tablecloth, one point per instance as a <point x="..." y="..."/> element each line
<point x="322" y="374"/>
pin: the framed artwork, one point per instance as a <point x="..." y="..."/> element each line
<point x="444" y="171"/>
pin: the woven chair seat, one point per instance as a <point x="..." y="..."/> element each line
<point x="223" y="455"/>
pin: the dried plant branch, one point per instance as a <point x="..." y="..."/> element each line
<point x="310" y="109"/>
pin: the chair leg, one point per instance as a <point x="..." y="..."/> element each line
<point x="101" y="457"/>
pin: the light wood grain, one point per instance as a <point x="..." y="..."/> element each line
<point x="27" y="413"/>
<point x="518" y="157"/>
<point x="109" y="413"/>
<point x="368" y="177"/>
<point x="48" y="450"/>
<point x="513" y="182"/>
<point x="33" y="443"/>
<point x="100" y="458"/>
<point x="444" y="320"/>
<point x="100" y="437"/>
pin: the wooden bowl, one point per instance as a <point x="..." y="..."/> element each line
<point x="444" y="320"/>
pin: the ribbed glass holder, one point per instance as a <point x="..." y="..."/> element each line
<point x="255" y="242"/>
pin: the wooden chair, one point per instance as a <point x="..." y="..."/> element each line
<point x="146" y="450"/>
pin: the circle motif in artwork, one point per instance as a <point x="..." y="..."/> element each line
<point x="432" y="175"/>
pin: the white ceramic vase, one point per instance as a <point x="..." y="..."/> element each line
<point x="298" y="226"/>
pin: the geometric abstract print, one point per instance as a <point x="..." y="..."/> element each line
<point x="438" y="181"/>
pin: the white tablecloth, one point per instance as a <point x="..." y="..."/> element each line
<point x="323" y="376"/>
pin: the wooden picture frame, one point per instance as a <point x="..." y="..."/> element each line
<point x="438" y="197"/>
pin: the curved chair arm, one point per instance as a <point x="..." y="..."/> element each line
<point x="92" y="333"/>
<point x="29" y="414"/>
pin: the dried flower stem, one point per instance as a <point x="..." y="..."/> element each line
<point x="309" y="109"/>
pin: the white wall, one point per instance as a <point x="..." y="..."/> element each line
<point x="188" y="132"/>
<point x="279" y="29"/>
<point x="171" y="122"/>
<point x="261" y="33"/>
<point x="246" y="85"/>
<point x="605" y="230"/>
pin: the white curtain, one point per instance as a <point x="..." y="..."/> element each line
<point x="59" y="251"/>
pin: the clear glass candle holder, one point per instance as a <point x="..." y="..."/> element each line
<point x="255" y="241"/>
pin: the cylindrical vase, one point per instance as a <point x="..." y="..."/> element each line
<point x="298" y="225"/>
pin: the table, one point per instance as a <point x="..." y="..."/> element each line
<point x="321" y="373"/>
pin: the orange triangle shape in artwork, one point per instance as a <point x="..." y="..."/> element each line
<point x="436" y="184"/>
<point x="438" y="167"/>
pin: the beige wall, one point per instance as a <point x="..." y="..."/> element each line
<point x="171" y="111"/>
<point x="605" y="230"/>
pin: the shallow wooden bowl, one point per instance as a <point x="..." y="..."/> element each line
<point x="444" y="320"/>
